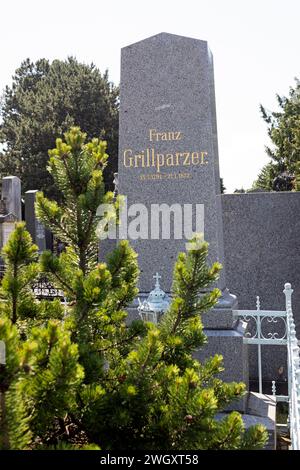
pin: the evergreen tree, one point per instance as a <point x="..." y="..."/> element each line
<point x="237" y="191"/>
<point x="284" y="132"/>
<point x="118" y="386"/>
<point x="266" y="177"/>
<point x="44" y="100"/>
<point x="20" y="257"/>
<point x="222" y="187"/>
<point x="14" y="419"/>
<point x="38" y="384"/>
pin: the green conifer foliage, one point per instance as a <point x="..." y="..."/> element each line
<point x="284" y="151"/>
<point x="20" y="257"/>
<point x="114" y="385"/>
<point x="14" y="419"/>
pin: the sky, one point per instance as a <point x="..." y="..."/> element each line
<point x="256" y="48"/>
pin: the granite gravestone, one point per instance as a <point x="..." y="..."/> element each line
<point x="33" y="225"/>
<point x="11" y="194"/>
<point x="10" y="208"/>
<point x="168" y="154"/>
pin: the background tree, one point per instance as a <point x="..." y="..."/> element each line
<point x="222" y="187"/>
<point x="284" y="132"/>
<point x="45" y="99"/>
<point x="242" y="190"/>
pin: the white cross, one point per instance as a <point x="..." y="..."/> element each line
<point x="157" y="277"/>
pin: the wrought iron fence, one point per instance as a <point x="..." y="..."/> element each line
<point x="258" y="333"/>
<point x="293" y="371"/>
<point x="43" y="289"/>
<point x="2" y="271"/>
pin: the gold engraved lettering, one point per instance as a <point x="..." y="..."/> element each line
<point x="147" y="158"/>
<point x="152" y="157"/>
<point x="139" y="158"/>
<point x="155" y="136"/>
<point x="186" y="161"/>
<point x="160" y="159"/>
<point x="152" y="132"/>
<point x="128" y="159"/>
<point x="170" y="159"/>
<point x="195" y="158"/>
<point x="203" y="155"/>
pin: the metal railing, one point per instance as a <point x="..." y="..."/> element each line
<point x="258" y="333"/>
<point x="293" y="371"/>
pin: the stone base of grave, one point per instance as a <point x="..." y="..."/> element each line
<point x="225" y="337"/>
<point x="229" y="344"/>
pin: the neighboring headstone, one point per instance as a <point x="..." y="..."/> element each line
<point x="10" y="208"/>
<point x="49" y="239"/>
<point x="11" y="194"/>
<point x="7" y="226"/>
<point x="168" y="154"/>
<point x="34" y="226"/>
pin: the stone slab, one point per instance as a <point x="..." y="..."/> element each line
<point x="262" y="253"/>
<point x="261" y="405"/>
<point x="228" y="343"/>
<point x="33" y="225"/>
<point x="218" y="319"/>
<point x="11" y="192"/>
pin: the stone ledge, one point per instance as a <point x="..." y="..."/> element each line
<point x="261" y="405"/>
<point x="218" y="318"/>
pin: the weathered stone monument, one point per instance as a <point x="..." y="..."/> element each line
<point x="10" y="207"/>
<point x="168" y="154"/>
<point x="33" y="225"/>
<point x="11" y="194"/>
<point x="7" y="223"/>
